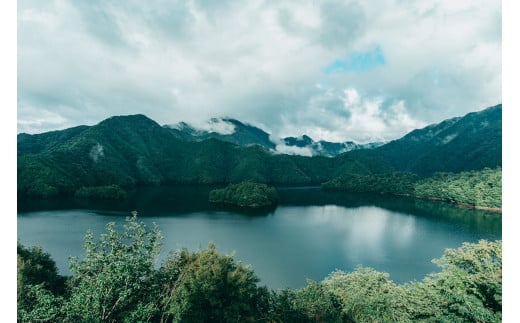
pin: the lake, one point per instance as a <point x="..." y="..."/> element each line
<point x="308" y="235"/>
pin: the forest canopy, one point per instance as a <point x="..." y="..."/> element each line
<point x="245" y="194"/>
<point x="482" y="189"/>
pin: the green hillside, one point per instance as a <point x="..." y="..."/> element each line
<point x="482" y="189"/>
<point x="460" y="144"/>
<point x="128" y="151"/>
<point x="134" y="150"/>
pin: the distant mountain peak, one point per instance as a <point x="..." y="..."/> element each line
<point x="244" y="134"/>
<point x="130" y="120"/>
<point x="470" y="142"/>
<point x="298" y="141"/>
<point x="224" y="129"/>
<point x="305" y="145"/>
<point x="220" y="126"/>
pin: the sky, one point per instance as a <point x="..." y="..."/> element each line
<point x="334" y="70"/>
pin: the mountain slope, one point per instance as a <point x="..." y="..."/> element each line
<point x="33" y="144"/>
<point x="134" y="150"/>
<point x="471" y="142"/>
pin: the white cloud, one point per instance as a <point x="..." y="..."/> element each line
<point x="32" y="120"/>
<point x="217" y="125"/>
<point x="399" y="119"/>
<point x="372" y="121"/>
<point x="345" y="115"/>
<point x="351" y="97"/>
<point x="293" y="150"/>
<point x="258" y="61"/>
<point x="96" y="152"/>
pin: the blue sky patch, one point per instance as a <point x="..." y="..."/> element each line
<point x="358" y="62"/>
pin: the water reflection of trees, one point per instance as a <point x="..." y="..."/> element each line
<point x="186" y="199"/>
<point x="440" y="211"/>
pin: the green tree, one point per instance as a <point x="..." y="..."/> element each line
<point x="207" y="287"/>
<point x="471" y="282"/>
<point x="317" y="303"/>
<point x="367" y="295"/>
<point x="282" y="307"/>
<point x="39" y="287"/>
<point x="116" y="280"/>
<point x="34" y="267"/>
<point x="245" y="194"/>
<point x="38" y="304"/>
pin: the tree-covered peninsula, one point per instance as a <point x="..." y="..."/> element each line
<point x="118" y="280"/>
<point x="245" y="194"/>
<point x="479" y="189"/>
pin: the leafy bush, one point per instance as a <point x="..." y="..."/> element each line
<point x="38" y="285"/>
<point x="317" y="303"/>
<point x="366" y="295"/>
<point x="207" y="287"/>
<point x="470" y="284"/>
<point x="116" y="279"/>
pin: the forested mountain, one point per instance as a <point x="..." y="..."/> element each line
<point x="33" y="144"/>
<point x="460" y="144"/>
<point x="135" y="150"/>
<point x="125" y="151"/>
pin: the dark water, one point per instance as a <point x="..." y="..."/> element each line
<point x="308" y="235"/>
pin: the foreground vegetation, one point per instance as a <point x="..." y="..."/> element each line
<point x="481" y="189"/>
<point x="118" y="280"/>
<point x="245" y="194"/>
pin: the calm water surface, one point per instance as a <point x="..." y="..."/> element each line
<point x="310" y="234"/>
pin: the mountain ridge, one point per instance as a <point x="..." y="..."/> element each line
<point x="135" y="150"/>
<point x="470" y="142"/>
<point x="246" y="134"/>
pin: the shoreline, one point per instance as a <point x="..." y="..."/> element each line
<point x="460" y="204"/>
<point x="439" y="199"/>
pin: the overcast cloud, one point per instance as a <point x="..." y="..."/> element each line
<point x="335" y="70"/>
